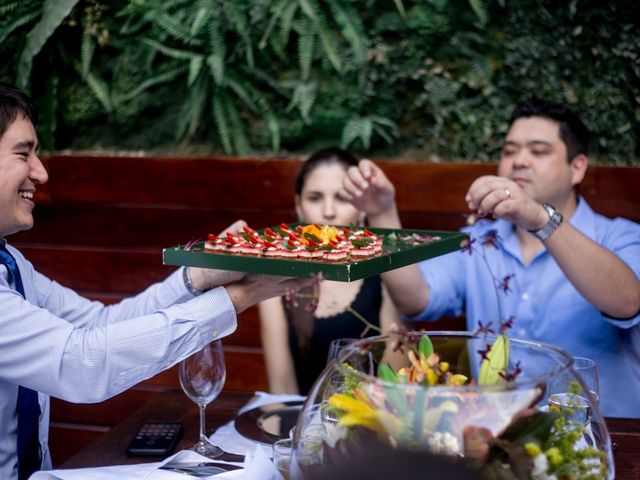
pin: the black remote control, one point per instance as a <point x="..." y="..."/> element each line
<point x="155" y="438"/>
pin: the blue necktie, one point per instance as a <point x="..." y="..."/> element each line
<point x="27" y="407"/>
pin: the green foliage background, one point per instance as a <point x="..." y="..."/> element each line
<point x="420" y="79"/>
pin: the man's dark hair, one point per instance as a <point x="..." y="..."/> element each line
<point x="573" y="132"/>
<point x="13" y="102"/>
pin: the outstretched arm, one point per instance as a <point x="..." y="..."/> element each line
<point x="369" y="189"/>
<point x="277" y="355"/>
<point x="598" y="274"/>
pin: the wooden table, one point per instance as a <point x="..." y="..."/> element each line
<point x="174" y="405"/>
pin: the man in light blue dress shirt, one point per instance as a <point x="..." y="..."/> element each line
<point x="55" y="342"/>
<point x="572" y="275"/>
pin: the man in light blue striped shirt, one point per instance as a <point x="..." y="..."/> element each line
<point x="55" y="342"/>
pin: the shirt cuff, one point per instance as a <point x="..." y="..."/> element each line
<point x="214" y="313"/>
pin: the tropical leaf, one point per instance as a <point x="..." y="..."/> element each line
<point x="191" y="111"/>
<point x="351" y="28"/>
<point x="100" y="89"/>
<point x="479" y="9"/>
<point x="176" y="28"/>
<point x="159" y="79"/>
<point x="495" y="362"/>
<point x="199" y="20"/>
<point x="220" y="120"/>
<point x="304" y="96"/>
<point x="170" y="52"/>
<point x="86" y="52"/>
<point x="23" y="19"/>
<point x="238" y="136"/>
<point x="305" y="48"/>
<point x="53" y="14"/>
<point x="357" y="128"/>
<point x="195" y="66"/>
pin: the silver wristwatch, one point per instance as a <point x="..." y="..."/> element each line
<point x="555" y="219"/>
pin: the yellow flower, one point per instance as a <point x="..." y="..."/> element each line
<point x="358" y="413"/>
<point x="533" y="449"/>
<point x="554" y="456"/>
<point x="457" y="379"/>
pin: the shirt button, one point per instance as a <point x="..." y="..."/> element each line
<point x="525" y="296"/>
<point x="215" y="332"/>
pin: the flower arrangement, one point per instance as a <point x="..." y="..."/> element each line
<point x="480" y="396"/>
<point x="492" y="421"/>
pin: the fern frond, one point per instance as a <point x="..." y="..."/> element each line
<point x="176" y="29"/>
<point x="220" y="121"/>
<point x="24" y="19"/>
<point x="7" y="8"/>
<point x="304" y="96"/>
<point x="480" y="10"/>
<point x="328" y="43"/>
<point x="309" y="9"/>
<point x="191" y="111"/>
<point x="306" y="45"/>
<point x="100" y="89"/>
<point x="195" y="66"/>
<point x="351" y="28"/>
<point x="53" y="14"/>
<point x="237" y="131"/>
<point x="199" y="20"/>
<point x="86" y="52"/>
<point x="277" y="10"/>
<point x="239" y="87"/>
<point x="170" y="52"/>
<point x="400" y="8"/>
<point x="259" y="102"/>
<point x="159" y="79"/>
<point x="357" y="128"/>
<point x="217" y="68"/>
<point x="217" y="48"/>
<point x="239" y="21"/>
<point x="286" y="24"/>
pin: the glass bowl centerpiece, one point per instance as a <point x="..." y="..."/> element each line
<point x="481" y="397"/>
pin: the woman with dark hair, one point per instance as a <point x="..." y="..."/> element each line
<point x="295" y="340"/>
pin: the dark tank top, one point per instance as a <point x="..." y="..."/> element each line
<point x="310" y="357"/>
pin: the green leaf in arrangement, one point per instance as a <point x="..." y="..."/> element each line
<point x="54" y="12"/>
<point x="495" y="362"/>
<point x="386" y="373"/>
<point x="425" y="347"/>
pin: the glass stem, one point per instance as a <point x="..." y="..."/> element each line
<point x="203" y="437"/>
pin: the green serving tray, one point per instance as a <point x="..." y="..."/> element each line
<point x="398" y="251"/>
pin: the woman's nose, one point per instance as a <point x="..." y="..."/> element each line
<point x="328" y="209"/>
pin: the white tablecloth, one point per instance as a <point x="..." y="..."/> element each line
<point x="257" y="464"/>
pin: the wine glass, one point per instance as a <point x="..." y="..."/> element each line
<point x="336" y="346"/>
<point x="202" y="376"/>
<point x="571" y="400"/>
